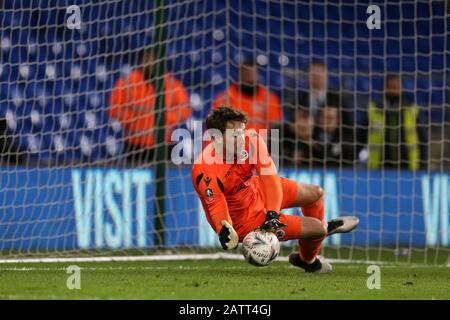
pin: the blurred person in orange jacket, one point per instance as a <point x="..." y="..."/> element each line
<point x="262" y="107"/>
<point x="132" y="103"/>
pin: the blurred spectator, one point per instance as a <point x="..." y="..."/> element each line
<point x="319" y="94"/>
<point x="335" y="141"/>
<point x="261" y="106"/>
<point x="133" y="102"/>
<point x="316" y="96"/>
<point x="333" y="138"/>
<point x="393" y="132"/>
<point x="299" y="149"/>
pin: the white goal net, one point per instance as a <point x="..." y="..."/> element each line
<point x="359" y="91"/>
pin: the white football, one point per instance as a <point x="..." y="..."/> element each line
<point x="260" y="248"/>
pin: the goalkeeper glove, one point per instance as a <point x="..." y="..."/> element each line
<point x="272" y="222"/>
<point x="228" y="237"/>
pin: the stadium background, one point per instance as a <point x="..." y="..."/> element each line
<point x="55" y="84"/>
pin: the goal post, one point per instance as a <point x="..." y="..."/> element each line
<point x="87" y="160"/>
<point x="160" y="151"/>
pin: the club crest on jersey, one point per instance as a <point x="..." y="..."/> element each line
<point x="244" y="155"/>
<point x="209" y="194"/>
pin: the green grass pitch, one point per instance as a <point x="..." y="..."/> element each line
<point x="219" y="279"/>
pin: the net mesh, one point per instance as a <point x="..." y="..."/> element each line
<point x="78" y="119"/>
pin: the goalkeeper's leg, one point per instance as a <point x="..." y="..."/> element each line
<point x="309" y="248"/>
<point x="309" y="232"/>
<point x="304" y="229"/>
<point x="311" y="229"/>
<point x="310" y="199"/>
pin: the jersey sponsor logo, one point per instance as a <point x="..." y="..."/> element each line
<point x="242" y="185"/>
<point x="237" y="188"/>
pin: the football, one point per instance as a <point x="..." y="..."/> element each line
<point x="260" y="248"/>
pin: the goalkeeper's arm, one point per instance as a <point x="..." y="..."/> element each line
<point x="216" y="209"/>
<point x="271" y="187"/>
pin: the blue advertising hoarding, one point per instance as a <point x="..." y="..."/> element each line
<point x="74" y="208"/>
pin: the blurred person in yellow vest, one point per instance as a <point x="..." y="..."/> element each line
<point x="393" y="131"/>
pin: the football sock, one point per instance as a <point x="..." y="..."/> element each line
<point x="310" y="248"/>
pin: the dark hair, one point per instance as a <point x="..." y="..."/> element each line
<point x="248" y="62"/>
<point x="218" y="118"/>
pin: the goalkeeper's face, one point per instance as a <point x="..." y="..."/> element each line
<point x="234" y="139"/>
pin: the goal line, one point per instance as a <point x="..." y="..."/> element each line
<point x="169" y="257"/>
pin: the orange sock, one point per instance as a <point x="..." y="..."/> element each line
<point x="310" y="248"/>
<point x="315" y="210"/>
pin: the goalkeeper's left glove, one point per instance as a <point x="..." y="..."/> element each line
<point x="272" y="222"/>
<point x="228" y="237"/>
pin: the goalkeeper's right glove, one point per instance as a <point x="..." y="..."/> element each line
<point x="228" y="237"/>
<point x="272" y="222"/>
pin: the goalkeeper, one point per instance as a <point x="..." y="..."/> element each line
<point x="236" y="201"/>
